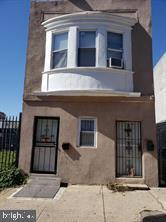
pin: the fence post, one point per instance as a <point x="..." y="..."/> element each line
<point x="18" y="140"/>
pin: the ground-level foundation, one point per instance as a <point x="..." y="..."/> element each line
<point x="78" y="165"/>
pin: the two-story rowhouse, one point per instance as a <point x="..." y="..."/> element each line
<point x="88" y="106"/>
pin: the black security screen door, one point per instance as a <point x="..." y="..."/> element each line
<point x="161" y="139"/>
<point x="129" y="150"/>
<point x="44" y="155"/>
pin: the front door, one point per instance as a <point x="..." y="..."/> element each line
<point x="129" y="149"/>
<point x="45" y="144"/>
<point x="161" y="136"/>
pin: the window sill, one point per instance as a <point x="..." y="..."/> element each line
<point x="86" y="147"/>
<point x="85" y="69"/>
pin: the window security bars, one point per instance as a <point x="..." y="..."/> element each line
<point x="9" y="141"/>
<point x="128" y="149"/>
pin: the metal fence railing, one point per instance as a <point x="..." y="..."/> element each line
<point x="9" y="141"/>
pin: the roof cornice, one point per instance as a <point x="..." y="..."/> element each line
<point x="89" y="16"/>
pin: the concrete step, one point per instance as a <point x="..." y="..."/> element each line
<point x="45" y="179"/>
<point x="137" y="186"/>
<point x="43" y="175"/>
<point x="40" y="186"/>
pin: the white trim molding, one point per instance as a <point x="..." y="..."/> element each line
<point x="101" y="93"/>
<point x="96" y="17"/>
<point x="87" y="79"/>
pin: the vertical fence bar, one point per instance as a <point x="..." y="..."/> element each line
<point x="13" y="138"/>
<point x="4" y="144"/>
<point x="1" y="150"/>
<point x="9" y="137"/>
<point x="18" y="139"/>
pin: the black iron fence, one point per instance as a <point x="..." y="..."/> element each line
<point x="9" y="141"/>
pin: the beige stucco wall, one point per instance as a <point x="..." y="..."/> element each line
<point x="90" y="165"/>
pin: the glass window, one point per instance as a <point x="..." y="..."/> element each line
<point x="114" y="49"/>
<point x="87" y="48"/>
<point x="87" y="132"/>
<point x="59" y="52"/>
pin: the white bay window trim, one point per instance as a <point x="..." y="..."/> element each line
<point x="127" y="50"/>
<point x="102" y="23"/>
<point x="48" y="51"/>
<point x="72" y="47"/>
<point x="73" y="77"/>
<point x="101" y="56"/>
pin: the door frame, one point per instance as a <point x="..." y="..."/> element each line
<point x="33" y="144"/>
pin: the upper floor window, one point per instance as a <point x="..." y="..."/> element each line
<point x="59" y="50"/>
<point x="87" y="48"/>
<point x="92" y="39"/>
<point x="114" y="50"/>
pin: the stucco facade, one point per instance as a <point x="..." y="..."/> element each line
<point x="124" y="95"/>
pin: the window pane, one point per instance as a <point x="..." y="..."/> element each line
<point x="87" y="39"/>
<point x="86" y="57"/>
<point x="114" y="40"/>
<point x="59" y="59"/>
<point x="87" y="125"/>
<point x="60" y="41"/>
<point x="86" y="139"/>
<point x="113" y="54"/>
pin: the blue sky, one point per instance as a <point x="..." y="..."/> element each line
<point x="14" y="15"/>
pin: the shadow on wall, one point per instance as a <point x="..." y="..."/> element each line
<point x="142" y="65"/>
<point x="73" y="153"/>
<point x="82" y="4"/>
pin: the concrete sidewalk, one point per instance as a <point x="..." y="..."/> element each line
<point x="90" y="203"/>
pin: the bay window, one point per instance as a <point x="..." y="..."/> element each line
<point x="87" y="48"/>
<point x="59" y="50"/>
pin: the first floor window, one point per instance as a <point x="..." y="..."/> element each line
<point x="87" y="48"/>
<point x="87" y="132"/>
<point x="59" y="50"/>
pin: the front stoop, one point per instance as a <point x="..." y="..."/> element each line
<point x="137" y="186"/>
<point x="40" y="186"/>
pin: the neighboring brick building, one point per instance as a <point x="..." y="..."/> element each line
<point x="88" y="111"/>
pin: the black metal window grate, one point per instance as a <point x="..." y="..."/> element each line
<point x="129" y="149"/>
